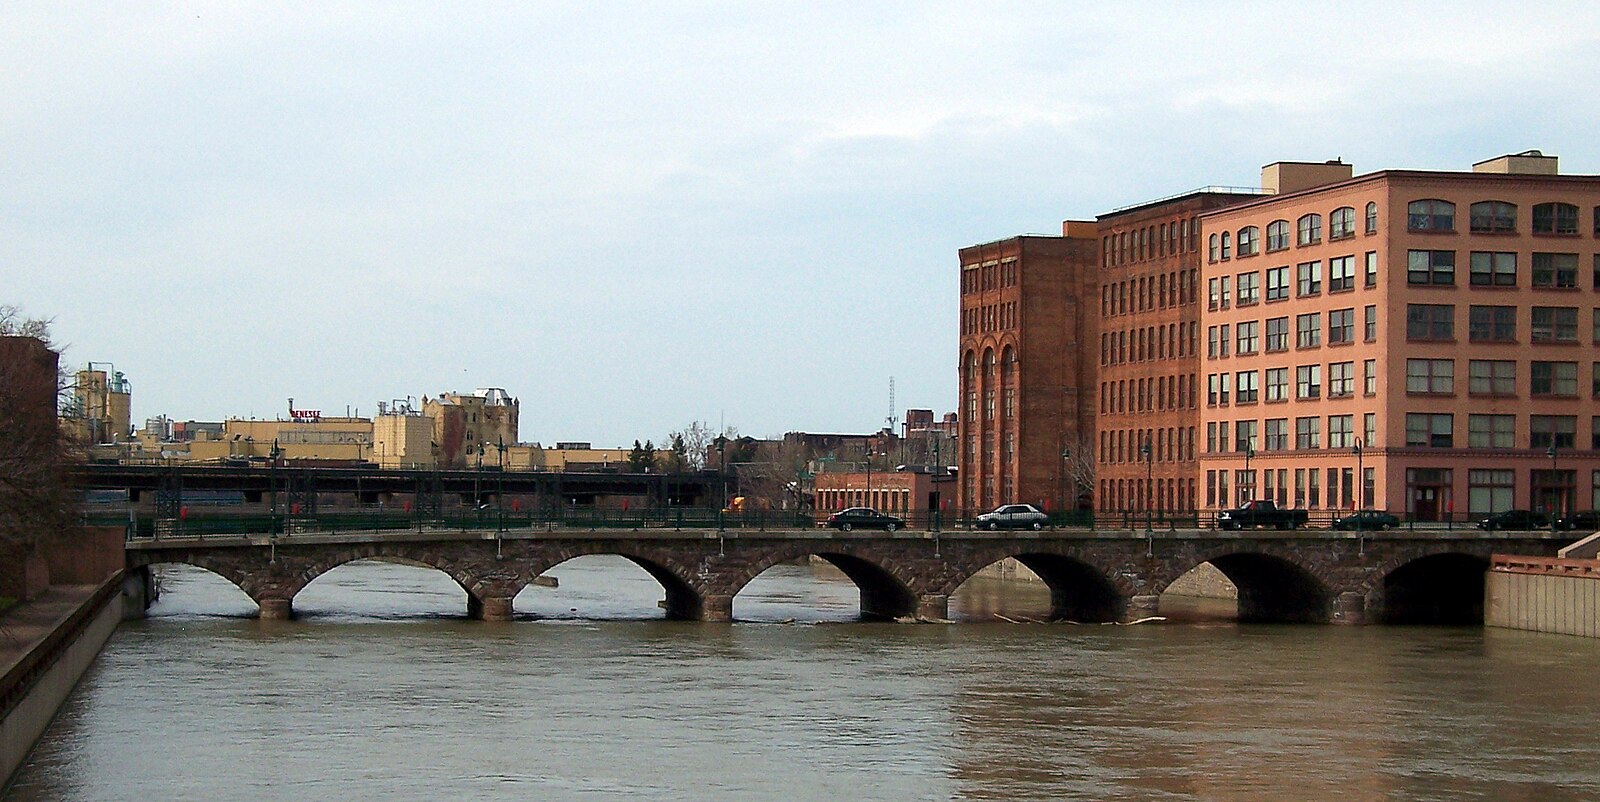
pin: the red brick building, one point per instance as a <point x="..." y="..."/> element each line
<point x="1023" y="360"/>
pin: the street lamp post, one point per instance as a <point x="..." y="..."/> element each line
<point x="272" y="484"/>
<point x="1061" y="482"/>
<point x="722" y="472"/>
<point x="1361" y="477"/>
<point x="1555" y="493"/>
<point x="1149" y="481"/>
<point x="1249" y="454"/>
<point x="500" y="486"/>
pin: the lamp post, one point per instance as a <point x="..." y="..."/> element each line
<point x="1061" y="482"/>
<point x="722" y="471"/>
<point x="500" y="486"/>
<point x="1149" y="480"/>
<point x="1361" y="477"/>
<point x="1249" y="454"/>
<point x="1555" y="492"/>
<point x="272" y="484"/>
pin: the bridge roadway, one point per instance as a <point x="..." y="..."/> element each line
<point x="1305" y="576"/>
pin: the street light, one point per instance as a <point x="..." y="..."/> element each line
<point x="272" y="483"/>
<point x="1249" y="454"/>
<point x="722" y="470"/>
<point x="1149" y="480"/>
<point x="1555" y="497"/>
<point x="1061" y="481"/>
<point x="1361" y="477"/>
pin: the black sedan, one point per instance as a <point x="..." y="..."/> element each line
<point x="1588" y="521"/>
<point x="1367" y="520"/>
<point x="1516" y="520"/>
<point x="863" y="518"/>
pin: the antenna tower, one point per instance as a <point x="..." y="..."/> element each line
<point x="893" y="418"/>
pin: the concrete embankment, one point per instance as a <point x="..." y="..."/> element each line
<point x="1544" y="594"/>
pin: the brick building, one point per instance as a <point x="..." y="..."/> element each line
<point x="1022" y="365"/>
<point x="1143" y="450"/>
<point x="1409" y="340"/>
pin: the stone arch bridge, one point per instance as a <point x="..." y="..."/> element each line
<point x="1301" y="576"/>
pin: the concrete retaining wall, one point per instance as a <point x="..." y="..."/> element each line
<point x="1544" y="594"/>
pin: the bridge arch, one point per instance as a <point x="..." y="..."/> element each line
<point x="1273" y="587"/>
<point x="1442" y="588"/>
<point x="216" y="573"/>
<point x="685" y="599"/>
<point x="887" y="589"/>
<point x="1080" y="590"/>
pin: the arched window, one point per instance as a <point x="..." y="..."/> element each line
<point x="1342" y="223"/>
<point x="1277" y="235"/>
<point x="1249" y="240"/>
<point x="1372" y="217"/>
<point x="1493" y="217"/>
<point x="1227" y="247"/>
<point x="1430" y="215"/>
<point x="1555" y="218"/>
<point x="1309" y="229"/>
<point x="1213" y="248"/>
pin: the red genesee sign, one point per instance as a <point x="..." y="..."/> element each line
<point x="305" y="414"/>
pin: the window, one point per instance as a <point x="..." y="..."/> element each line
<point x="1309" y="275"/>
<point x="1308" y="381"/>
<point x="1493" y="269"/>
<point x="1244" y="436"/>
<point x="1306" y="433"/>
<point x="1430" y="322"/>
<point x="1555" y="324"/>
<point x="1249" y="288"/>
<point x="1372" y="217"/>
<point x="1213" y="389"/>
<point x="1341" y="379"/>
<point x="1277" y="235"/>
<point x="1309" y="228"/>
<point x="1493" y="217"/>
<point x="1341" y="431"/>
<point x="1341" y="273"/>
<point x="1211" y="342"/>
<point x="1431" y="267"/>
<point x="1555" y="218"/>
<point x="1227" y="246"/>
<point x="1222" y="341"/>
<point x="1491" y="431"/>
<point x="1213" y="293"/>
<point x="1277" y="434"/>
<point x="1492" y="377"/>
<point x="1245" y="386"/>
<point x="1370" y="322"/>
<point x="1545" y="430"/>
<point x="1492" y="324"/>
<point x="1308" y="330"/>
<point x="1369" y="379"/>
<point x="1249" y="241"/>
<point x="1342" y="326"/>
<point x="1426" y="429"/>
<point x="1595" y="335"/>
<point x="1372" y="268"/>
<point x="1278" y="283"/>
<point x="1342" y="223"/>
<point x="1277" y="384"/>
<point x="1430" y="215"/>
<point x="1226" y="282"/>
<point x="1212" y="248"/>
<point x="1277" y="334"/>
<point x="1490" y="491"/>
<point x="1369" y="428"/>
<point x="1430" y="376"/>
<point x="1248" y="339"/>
<point x="1553" y="379"/>
<point x="1555" y="270"/>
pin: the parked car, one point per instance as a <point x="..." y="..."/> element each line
<point x="863" y="518"/>
<point x="1367" y="520"/>
<point x="1588" y="521"/>
<point x="1013" y="516"/>
<point x="1515" y="519"/>
<point x="1261" y="513"/>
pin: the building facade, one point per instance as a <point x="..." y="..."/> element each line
<point x="467" y="426"/>
<point x="1023" y="364"/>
<point x="1414" y="341"/>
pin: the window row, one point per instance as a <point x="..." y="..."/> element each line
<point x="1307" y="281"/>
<point x="1499" y="378"/>
<point x="989" y="317"/>
<point x="1156" y="493"/>
<point x="1307" y="231"/>
<point x="1149" y="242"/>
<point x="1169" y="444"/>
<point x="1147" y="395"/>
<point x="1250" y="437"/>
<point x="1438" y="430"/>
<point x="1148" y="293"/>
<point x="992" y="276"/>
<point x="1170" y="341"/>
<point x="1248" y="337"/>
<point x="1272" y="385"/>
<point x="1553" y="271"/>
<point x="1307" y="487"/>
<point x="1498" y="324"/>
<point x="1495" y="217"/>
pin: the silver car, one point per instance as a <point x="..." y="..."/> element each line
<point x="1014" y="516"/>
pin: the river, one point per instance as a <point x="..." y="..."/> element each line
<point x="383" y="690"/>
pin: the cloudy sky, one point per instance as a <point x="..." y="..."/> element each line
<point x="634" y="216"/>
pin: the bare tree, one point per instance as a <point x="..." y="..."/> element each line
<point x="35" y="498"/>
<point x="1078" y="470"/>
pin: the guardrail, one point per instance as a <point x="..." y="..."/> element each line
<point x="1545" y="566"/>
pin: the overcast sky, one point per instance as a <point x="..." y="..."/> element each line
<point x="633" y="216"/>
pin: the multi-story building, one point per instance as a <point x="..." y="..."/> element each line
<point x="1024" y="332"/>
<point x="102" y="401"/>
<point x="1143" y="453"/>
<point x="1409" y="340"/>
<point x="465" y="426"/>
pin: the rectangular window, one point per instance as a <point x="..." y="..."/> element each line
<point x="1429" y="430"/>
<point x="1278" y="283"/>
<point x="1308" y="381"/>
<point x="1211" y="342"/>
<point x="1342" y="326"/>
<point x="1341" y="379"/>
<point x="1492" y="324"/>
<point x="1308" y="330"/>
<point x="1492" y="377"/>
<point x="1545" y="430"/>
<point x="1277" y="384"/>
<point x="1430" y="376"/>
<point x="1277" y="434"/>
<point x="1372" y="268"/>
<point x="1370" y="322"/>
<point x="1553" y="379"/>
<point x="1244" y="436"/>
<point x="1493" y="269"/>
<point x="1309" y="278"/>
<point x="1341" y="273"/>
<point x="1245" y="384"/>
<point x="1369" y="429"/>
<point x="1213" y="294"/>
<point x="1222" y="341"/>
<point x="1490" y="491"/>
<point x="1369" y="377"/>
<point x="1491" y="431"/>
<point x="1431" y="267"/>
<point x="1554" y="324"/>
<point x="1314" y="489"/>
<point x="1227" y="281"/>
<point x="1341" y="431"/>
<point x="1249" y="288"/>
<point x="1306" y="434"/>
<point x="1555" y="270"/>
<point x="1248" y="339"/>
<point x="1277" y="334"/>
<point x="1430" y="322"/>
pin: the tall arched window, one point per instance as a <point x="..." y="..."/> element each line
<point x="1249" y="240"/>
<point x="1309" y="229"/>
<point x="1372" y="217"/>
<point x="1227" y="247"/>
<point x="1213" y="249"/>
<point x="1430" y="215"/>
<point x="1342" y="223"/>
<point x="1277" y="235"/>
<point x="1493" y="217"/>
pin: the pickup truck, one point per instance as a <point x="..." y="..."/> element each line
<point x="1260" y="513"/>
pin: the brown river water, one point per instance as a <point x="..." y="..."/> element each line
<point x="383" y="690"/>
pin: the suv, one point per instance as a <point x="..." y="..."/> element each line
<point x="863" y="518"/>
<point x="1013" y="516"/>
<point x="1515" y="520"/>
